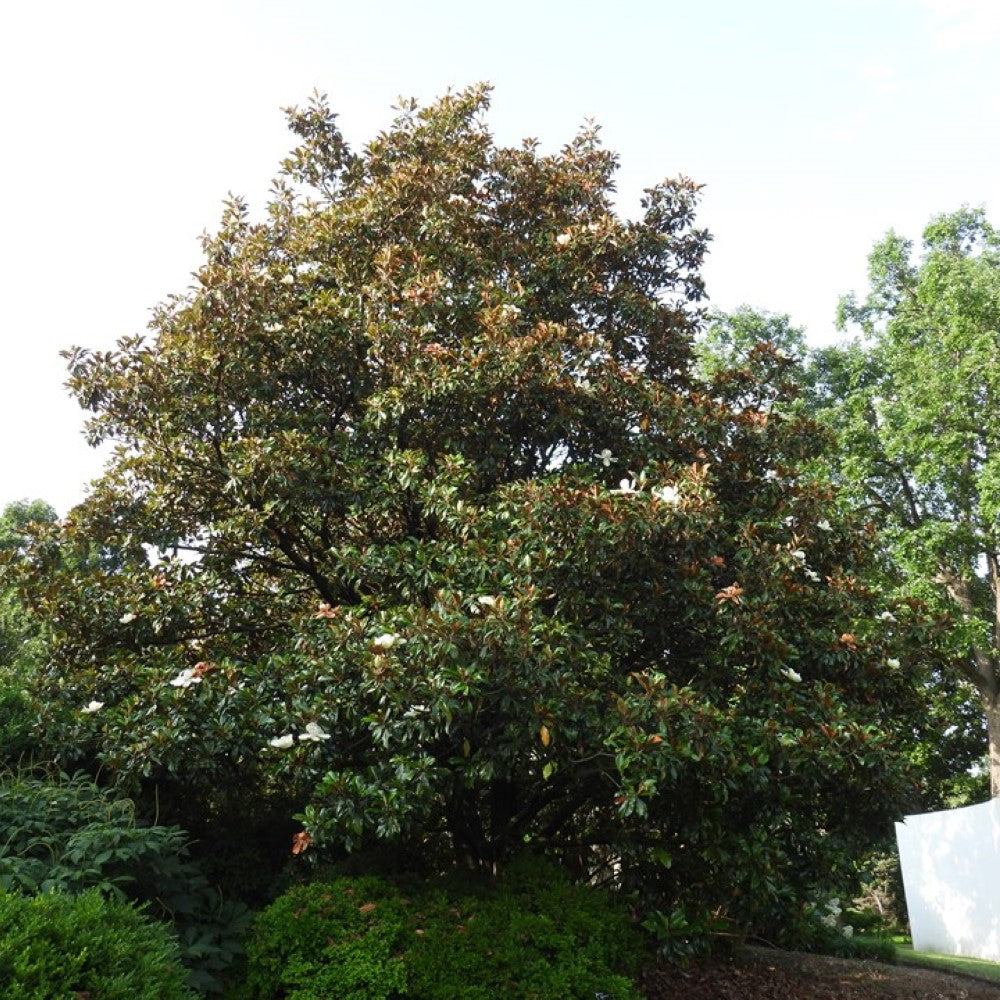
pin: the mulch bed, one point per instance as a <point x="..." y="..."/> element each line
<point x="766" y="974"/>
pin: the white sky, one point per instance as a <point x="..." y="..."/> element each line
<point x="815" y="125"/>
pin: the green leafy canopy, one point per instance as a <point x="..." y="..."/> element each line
<point x="423" y="522"/>
<point x="913" y="400"/>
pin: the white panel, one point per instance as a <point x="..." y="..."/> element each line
<point x="951" y="874"/>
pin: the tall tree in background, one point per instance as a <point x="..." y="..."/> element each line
<point x="21" y="644"/>
<point x="17" y="633"/>
<point x="728" y="340"/>
<point x="915" y="401"/>
<point x="424" y="520"/>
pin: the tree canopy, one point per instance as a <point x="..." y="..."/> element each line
<point x="912" y="399"/>
<point x="949" y="741"/>
<point x="426" y="524"/>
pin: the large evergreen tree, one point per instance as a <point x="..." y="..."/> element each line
<point x="424" y="520"/>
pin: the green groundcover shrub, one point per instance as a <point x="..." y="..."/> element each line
<point x="536" y="935"/>
<point x="63" y="947"/>
<point x="344" y="939"/>
<point x="533" y="935"/>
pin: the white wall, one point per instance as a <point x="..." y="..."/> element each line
<point x="951" y="874"/>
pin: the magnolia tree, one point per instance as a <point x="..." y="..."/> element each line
<point x="837" y="386"/>
<point x="424" y="525"/>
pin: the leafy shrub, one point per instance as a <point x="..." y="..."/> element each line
<point x="338" y="939"/>
<point x="824" y="928"/>
<point x="58" y="946"/>
<point x="534" y="935"/>
<point x="876" y="949"/>
<point x="865" y="921"/>
<point x="681" y="936"/>
<point x="67" y="833"/>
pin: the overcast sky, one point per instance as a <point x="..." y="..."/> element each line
<point x="814" y="126"/>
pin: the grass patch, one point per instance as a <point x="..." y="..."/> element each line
<point x="977" y="967"/>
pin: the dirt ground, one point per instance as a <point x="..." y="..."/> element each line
<point x="765" y="974"/>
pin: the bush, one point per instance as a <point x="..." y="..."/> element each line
<point x="865" y="921"/>
<point x="59" y="947"/>
<point x="337" y="939"/>
<point x="824" y="928"/>
<point x="68" y="834"/>
<point x="876" y="949"/>
<point x="534" y="935"/>
<point x="681" y="936"/>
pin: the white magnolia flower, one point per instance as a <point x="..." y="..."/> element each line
<point x="792" y="675"/>
<point x="93" y="706"/>
<point x="893" y="662"/>
<point x="771" y="476"/>
<point x="274" y="327"/>
<point x="314" y="733"/>
<point x="563" y="238"/>
<point x="486" y="601"/>
<point x="186" y="678"/>
<point x="813" y="575"/>
<point x="282" y="742"/>
<point x="606" y="457"/>
<point x="789" y="521"/>
<point x="824" y="525"/>
<point x="509" y="309"/>
<point x="127" y="617"/>
<point x="387" y="640"/>
<point x="626" y="486"/>
<point x="288" y="279"/>
<point x="798" y="555"/>
<point x="668" y="494"/>
<point x="887" y="616"/>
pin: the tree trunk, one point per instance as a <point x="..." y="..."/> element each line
<point x="991" y="708"/>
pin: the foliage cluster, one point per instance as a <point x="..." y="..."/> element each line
<point x="57" y="946"/>
<point x="911" y="399"/>
<point x="69" y="835"/>
<point x="19" y="639"/>
<point x="532" y="935"/>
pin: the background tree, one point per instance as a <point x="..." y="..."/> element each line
<point x="15" y="630"/>
<point x="20" y="642"/>
<point x="426" y="526"/>
<point x="728" y="340"/>
<point x="913" y="400"/>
